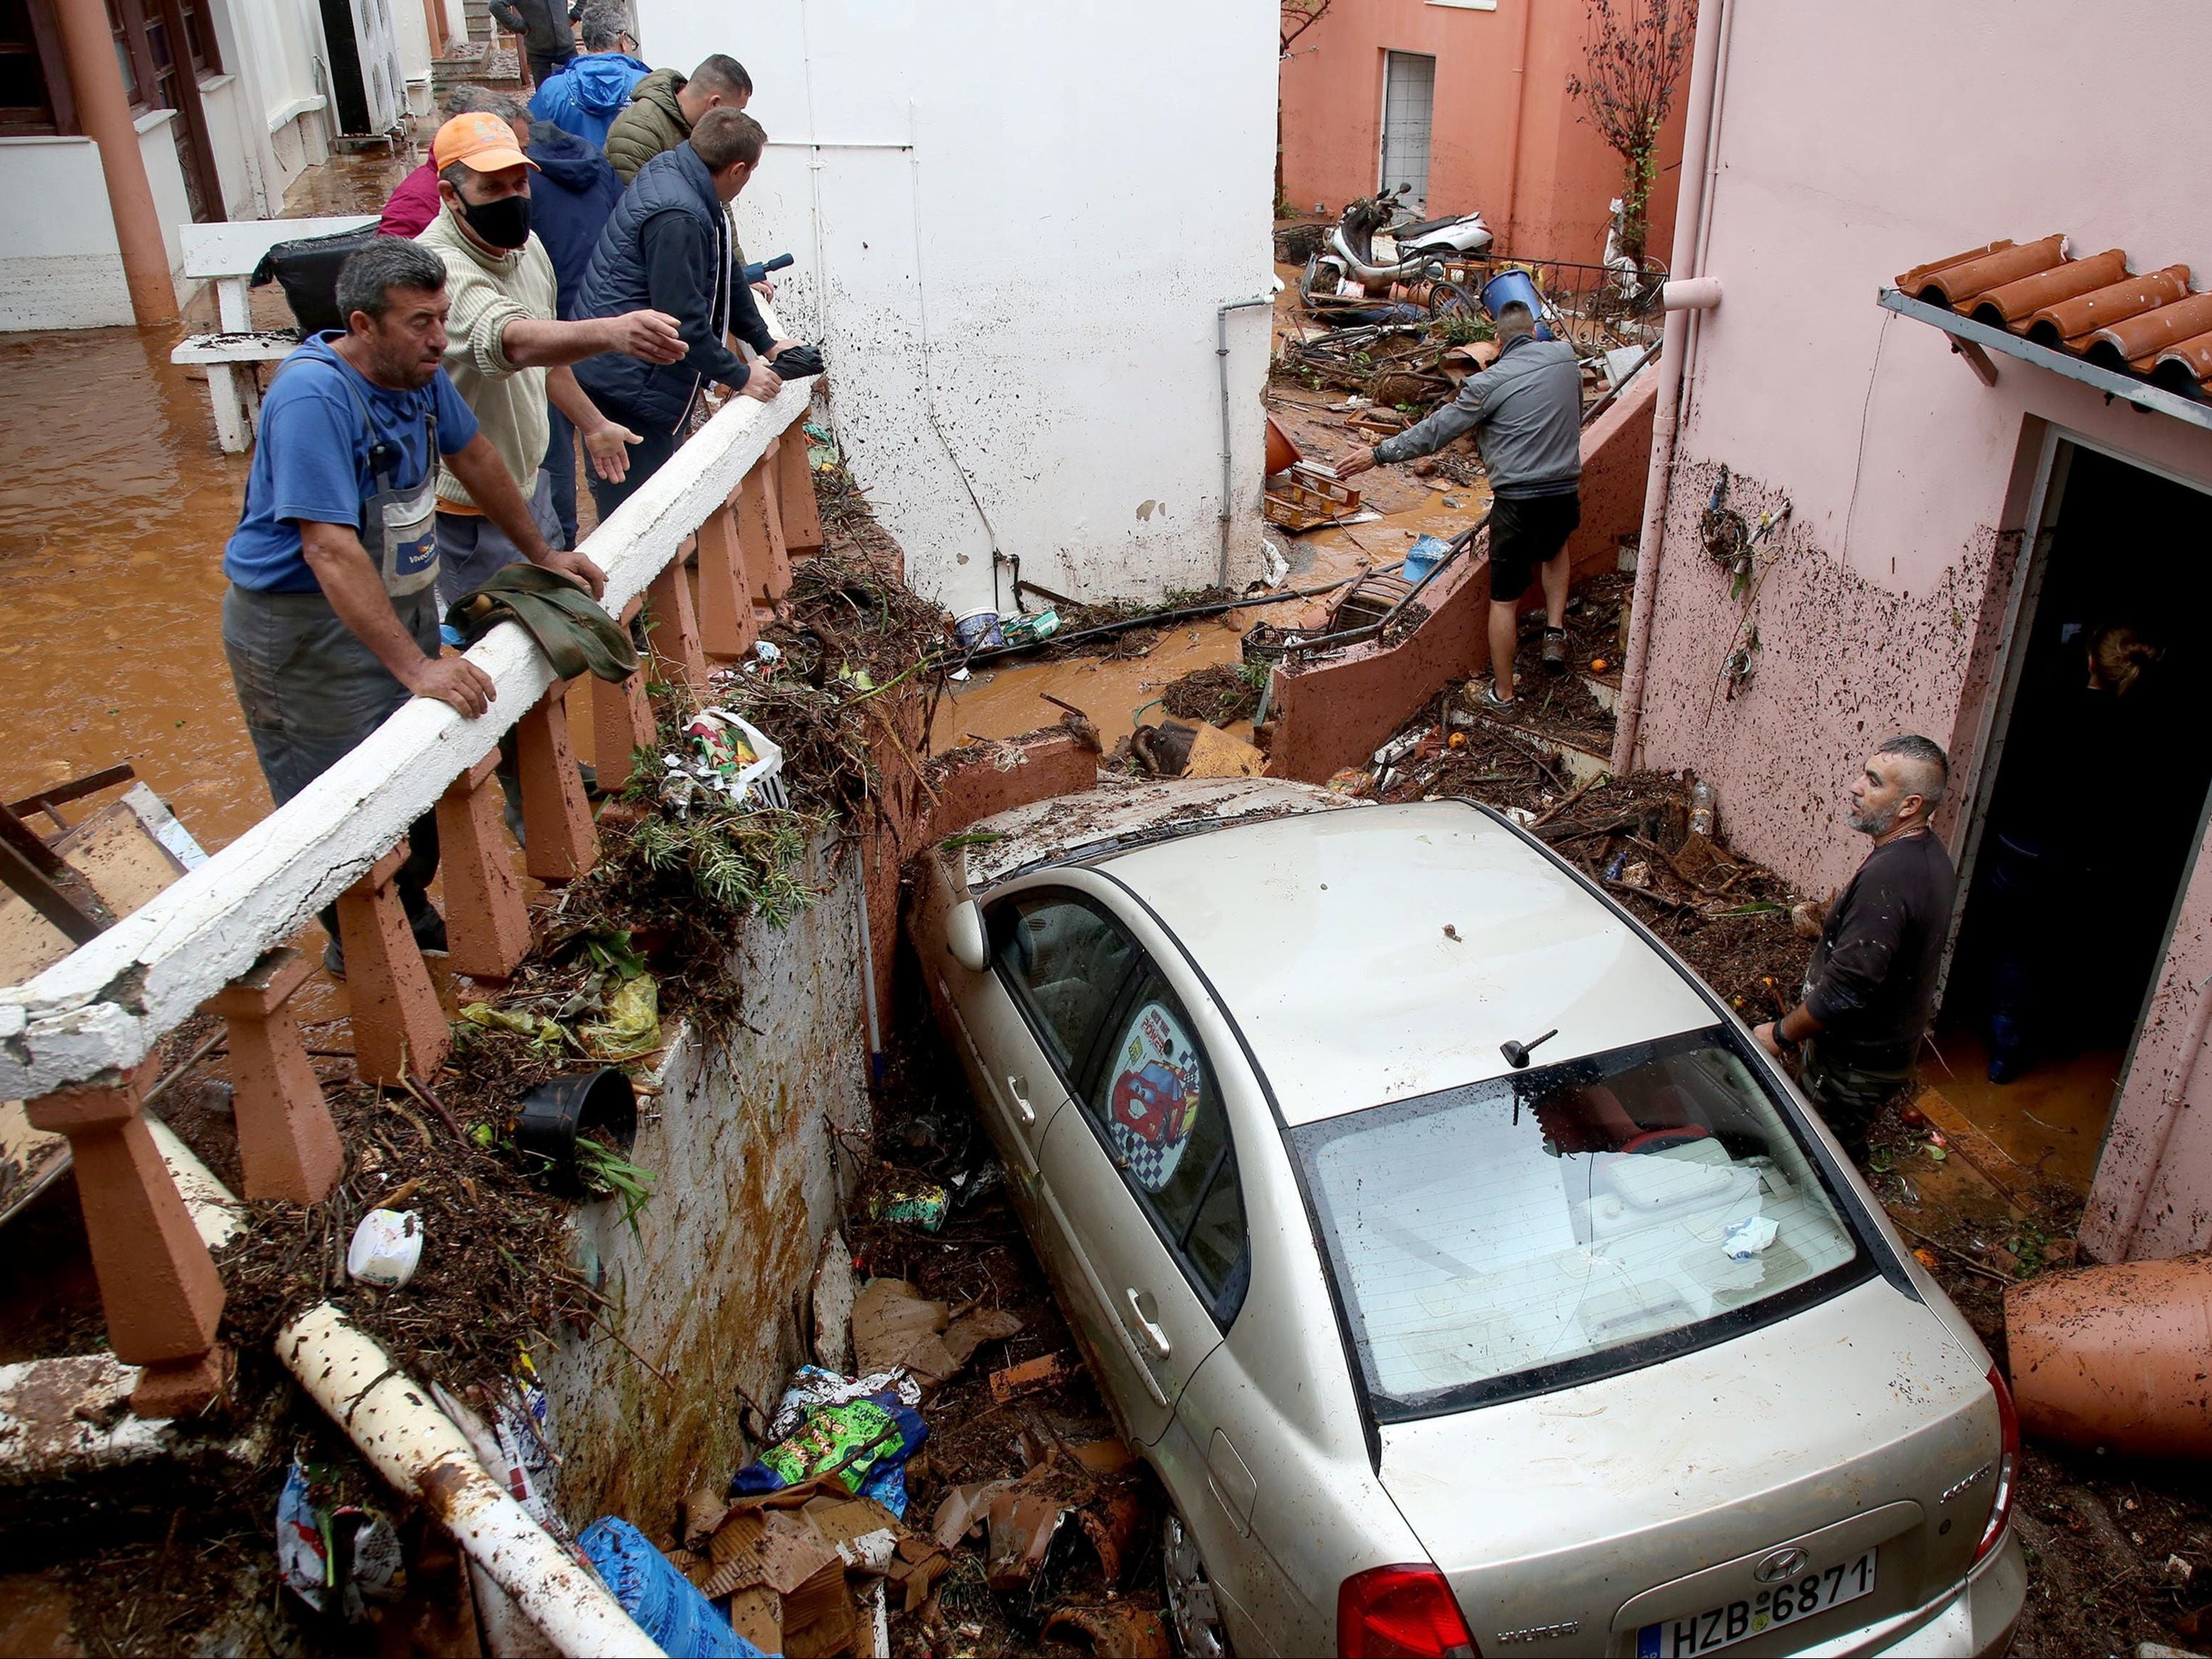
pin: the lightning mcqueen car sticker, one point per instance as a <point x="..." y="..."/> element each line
<point x="1155" y="1096"/>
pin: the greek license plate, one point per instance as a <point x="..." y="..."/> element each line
<point x="1813" y="1591"/>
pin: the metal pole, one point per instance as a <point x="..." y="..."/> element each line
<point x="96" y="79"/>
<point x="1221" y="359"/>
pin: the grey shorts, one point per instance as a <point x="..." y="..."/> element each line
<point x="310" y="690"/>
<point x="471" y="547"/>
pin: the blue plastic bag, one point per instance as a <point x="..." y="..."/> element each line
<point x="1424" y="555"/>
<point x="666" y="1604"/>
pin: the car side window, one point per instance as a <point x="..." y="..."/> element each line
<point x="1065" y="960"/>
<point x="1156" y="1106"/>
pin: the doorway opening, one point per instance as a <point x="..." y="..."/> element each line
<point x="1409" y="98"/>
<point x="2090" y="815"/>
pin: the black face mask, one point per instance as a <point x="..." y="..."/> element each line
<point x="504" y="224"/>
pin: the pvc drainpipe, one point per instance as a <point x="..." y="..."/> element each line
<point x="1520" y="120"/>
<point x="1221" y="360"/>
<point x="2200" y="1024"/>
<point x="416" y="1447"/>
<point x="1688" y="215"/>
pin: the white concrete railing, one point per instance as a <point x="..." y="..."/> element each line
<point x="101" y="1010"/>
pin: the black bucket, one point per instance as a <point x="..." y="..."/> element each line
<point x="308" y="270"/>
<point x="599" y="1106"/>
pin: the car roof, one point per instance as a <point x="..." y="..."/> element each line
<point x="1122" y="809"/>
<point x="1378" y="955"/>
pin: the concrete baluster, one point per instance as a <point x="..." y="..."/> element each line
<point x="564" y="843"/>
<point x="397" y="1026"/>
<point x="794" y="496"/>
<point x="487" y="924"/>
<point x="727" y="627"/>
<point x="674" y="633"/>
<point x="621" y="721"/>
<point x="158" y="1286"/>
<point x="287" y="1146"/>
<point x="760" y="529"/>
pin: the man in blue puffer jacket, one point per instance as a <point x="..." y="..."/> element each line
<point x="586" y="97"/>
<point x="669" y="239"/>
<point x="574" y="192"/>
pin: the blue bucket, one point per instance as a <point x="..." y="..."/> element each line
<point x="1508" y="286"/>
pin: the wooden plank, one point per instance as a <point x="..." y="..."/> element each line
<point x="267" y="345"/>
<point x="75" y="789"/>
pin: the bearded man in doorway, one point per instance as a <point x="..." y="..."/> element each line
<point x="1870" y="990"/>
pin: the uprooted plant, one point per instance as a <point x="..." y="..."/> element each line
<point x="1632" y="67"/>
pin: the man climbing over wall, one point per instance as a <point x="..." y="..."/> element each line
<point x="1525" y="410"/>
<point x="546" y="37"/>
<point x="331" y="621"/>
<point x="1870" y="990"/>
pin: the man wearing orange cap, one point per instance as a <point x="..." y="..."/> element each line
<point x="506" y="351"/>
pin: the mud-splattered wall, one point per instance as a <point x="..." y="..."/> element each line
<point x="744" y="1142"/>
<point x="1840" y="162"/>
<point x="1013" y="239"/>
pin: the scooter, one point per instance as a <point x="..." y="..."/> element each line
<point x="1424" y="247"/>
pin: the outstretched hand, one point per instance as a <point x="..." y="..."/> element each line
<point x="1359" y="461"/>
<point x="609" y="447"/>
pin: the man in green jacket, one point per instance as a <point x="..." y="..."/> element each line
<point x="665" y="106"/>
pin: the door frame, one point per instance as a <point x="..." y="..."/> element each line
<point x="1382" y="124"/>
<point x="2057" y="445"/>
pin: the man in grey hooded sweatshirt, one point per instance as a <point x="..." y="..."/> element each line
<point x="1525" y="410"/>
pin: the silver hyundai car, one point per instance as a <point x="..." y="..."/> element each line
<point x="1471" y="1279"/>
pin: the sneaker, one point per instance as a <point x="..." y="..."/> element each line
<point x="334" y="959"/>
<point x="1555" y="650"/>
<point x="427" y="927"/>
<point x="1490" y="702"/>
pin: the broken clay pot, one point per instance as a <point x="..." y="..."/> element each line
<point x="2113" y="1357"/>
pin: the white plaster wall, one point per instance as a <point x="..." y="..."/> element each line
<point x="230" y="140"/>
<point x="742" y="1144"/>
<point x="165" y="174"/>
<point x="60" y="265"/>
<point x="1023" y="305"/>
<point x="272" y="48"/>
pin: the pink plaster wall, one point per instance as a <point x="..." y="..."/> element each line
<point x="1332" y="116"/>
<point x="1854" y="144"/>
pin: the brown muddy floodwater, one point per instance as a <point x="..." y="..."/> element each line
<point x="112" y="519"/>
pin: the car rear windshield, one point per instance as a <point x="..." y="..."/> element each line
<point x="1568" y="1222"/>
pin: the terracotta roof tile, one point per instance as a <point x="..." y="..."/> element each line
<point x="2150" y="325"/>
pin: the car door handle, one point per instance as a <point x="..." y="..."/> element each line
<point x="1022" y="1107"/>
<point x="1153" y="1333"/>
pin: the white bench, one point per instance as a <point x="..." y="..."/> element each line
<point x="225" y="255"/>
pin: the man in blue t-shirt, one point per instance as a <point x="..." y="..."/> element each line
<point x="331" y="621"/>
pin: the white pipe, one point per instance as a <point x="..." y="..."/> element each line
<point x="416" y="1448"/>
<point x="1690" y="293"/>
<point x="1689" y="206"/>
<point x="1221" y="357"/>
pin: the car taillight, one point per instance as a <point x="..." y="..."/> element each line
<point x="1397" y="1613"/>
<point x="2008" y="1464"/>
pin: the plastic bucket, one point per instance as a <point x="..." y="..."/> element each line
<point x="978" y="631"/>
<point x="1509" y="286"/>
<point x="599" y="1104"/>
